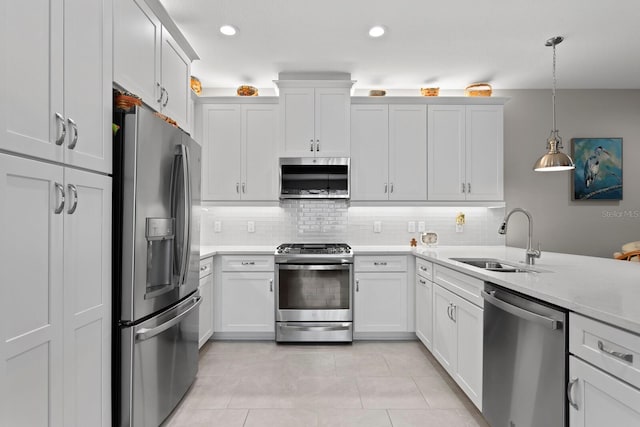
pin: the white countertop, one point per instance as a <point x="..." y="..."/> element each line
<point x="604" y="289"/>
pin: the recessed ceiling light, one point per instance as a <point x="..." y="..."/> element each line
<point x="376" y="31"/>
<point x="228" y="30"/>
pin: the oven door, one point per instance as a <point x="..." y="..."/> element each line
<point x="314" y="293"/>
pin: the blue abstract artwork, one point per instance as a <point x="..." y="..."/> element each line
<point x="598" y="172"/>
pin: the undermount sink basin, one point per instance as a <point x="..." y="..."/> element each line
<point x="492" y="264"/>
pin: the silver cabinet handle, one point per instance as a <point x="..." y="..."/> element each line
<point x="391" y="188"/>
<point x="380" y="263"/>
<point x="166" y="101"/>
<point x="453" y="312"/>
<point x="159" y="100"/>
<point x="422" y="281"/>
<point x="270" y="285"/>
<point x="62" y="125"/>
<point x="449" y="312"/>
<point x="238" y="187"/>
<point x="385" y="188"/>
<point x="74" y="129"/>
<point x="244" y="187"/>
<point x="423" y="268"/>
<point x="60" y="191"/>
<point x="317" y="145"/>
<point x="491" y="298"/>
<point x="623" y="356"/>
<point x="468" y="187"/>
<point x="572" y="383"/>
<point x="463" y="187"/>
<point x="248" y="263"/>
<point x="311" y="146"/>
<point x="203" y="268"/>
<point x="357" y="285"/>
<point x="74" y="190"/>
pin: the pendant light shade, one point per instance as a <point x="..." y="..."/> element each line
<point x="554" y="159"/>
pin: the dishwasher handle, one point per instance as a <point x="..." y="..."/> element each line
<point x="491" y="298"/>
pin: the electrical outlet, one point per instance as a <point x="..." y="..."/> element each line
<point x="411" y="227"/>
<point x="217" y="226"/>
<point x="459" y="228"/>
<point x="251" y="226"/>
<point x="377" y="227"/>
<point x="421" y="226"/>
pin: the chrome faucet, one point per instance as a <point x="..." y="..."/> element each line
<point x="532" y="254"/>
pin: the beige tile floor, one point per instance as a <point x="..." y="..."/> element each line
<point x="367" y="383"/>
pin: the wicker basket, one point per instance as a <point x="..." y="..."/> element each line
<point x="430" y="91"/>
<point x="126" y="102"/>
<point x="247" y="91"/>
<point x="478" y="89"/>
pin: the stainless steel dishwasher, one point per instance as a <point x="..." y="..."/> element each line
<point x="525" y="361"/>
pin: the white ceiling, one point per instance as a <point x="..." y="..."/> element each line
<point x="448" y="44"/>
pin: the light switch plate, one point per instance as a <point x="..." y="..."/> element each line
<point x="251" y="226"/>
<point x="411" y="227"/>
<point x="377" y="227"/>
<point x="421" y="226"/>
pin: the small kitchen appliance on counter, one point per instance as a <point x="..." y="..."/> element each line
<point x="314" y="292"/>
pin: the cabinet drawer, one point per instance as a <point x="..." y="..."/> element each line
<point x="381" y="263"/>
<point x="206" y="267"/>
<point x="247" y="263"/>
<point x="611" y="349"/>
<point x="460" y="284"/>
<point x="424" y="269"/>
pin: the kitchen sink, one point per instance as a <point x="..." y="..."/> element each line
<point x="492" y="264"/>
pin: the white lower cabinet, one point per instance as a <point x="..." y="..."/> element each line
<point x="205" y="328"/>
<point x="457" y="340"/>
<point x="381" y="294"/>
<point x="424" y="302"/>
<point x="604" y="374"/>
<point x="599" y="399"/>
<point x="55" y="297"/>
<point x="245" y="299"/>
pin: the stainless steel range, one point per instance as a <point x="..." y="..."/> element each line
<point x="314" y="292"/>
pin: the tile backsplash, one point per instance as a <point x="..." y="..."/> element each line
<point x="305" y="221"/>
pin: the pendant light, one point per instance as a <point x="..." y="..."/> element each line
<point x="554" y="159"/>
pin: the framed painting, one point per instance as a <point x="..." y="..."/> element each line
<point x="598" y="172"/>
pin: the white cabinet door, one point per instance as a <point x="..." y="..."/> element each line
<point x="87" y="84"/>
<point x="446" y="158"/>
<point x="31" y="295"/>
<point x="380" y="302"/>
<point x="221" y="150"/>
<point x="247" y="302"/>
<point x="136" y="56"/>
<point x="259" y="148"/>
<point x="444" y="330"/>
<point x="407" y="152"/>
<point x="424" y="311"/>
<point x="469" y="328"/>
<point x="205" y="329"/>
<point x="601" y="399"/>
<point x="31" y="77"/>
<point x="369" y="152"/>
<point x="332" y="121"/>
<point x="87" y="296"/>
<point x="484" y="152"/>
<point x="297" y="118"/>
<point x="175" y="74"/>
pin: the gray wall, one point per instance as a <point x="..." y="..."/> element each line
<point x="595" y="228"/>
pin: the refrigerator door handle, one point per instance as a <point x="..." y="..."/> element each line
<point x="182" y="155"/>
<point x="148" y="333"/>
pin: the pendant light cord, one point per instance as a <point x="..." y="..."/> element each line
<point x="553" y="91"/>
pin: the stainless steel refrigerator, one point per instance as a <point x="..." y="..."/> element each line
<point x="156" y="256"/>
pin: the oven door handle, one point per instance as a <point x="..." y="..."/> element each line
<point x="314" y="266"/>
<point x="326" y="328"/>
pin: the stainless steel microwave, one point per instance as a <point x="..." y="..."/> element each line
<point x="314" y="177"/>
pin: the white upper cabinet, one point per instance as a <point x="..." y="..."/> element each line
<point x="465" y="152"/>
<point x="314" y="118"/>
<point x="56" y="96"/>
<point x="389" y="152"/>
<point x="239" y="151"/>
<point x="148" y="61"/>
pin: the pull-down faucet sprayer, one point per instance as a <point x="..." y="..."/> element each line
<point x="532" y="254"/>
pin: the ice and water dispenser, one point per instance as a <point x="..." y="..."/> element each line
<point x="160" y="235"/>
